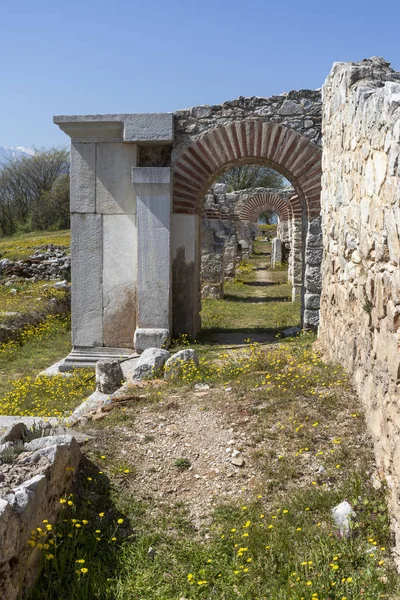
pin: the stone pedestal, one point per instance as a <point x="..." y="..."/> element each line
<point x="153" y="190"/>
<point x="276" y="252"/>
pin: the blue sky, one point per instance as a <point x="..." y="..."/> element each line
<point x="93" y="56"/>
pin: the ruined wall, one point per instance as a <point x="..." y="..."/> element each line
<point x="299" y="110"/>
<point x="212" y="259"/>
<point x="25" y="501"/>
<point x="360" y="309"/>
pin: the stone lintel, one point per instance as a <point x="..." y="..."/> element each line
<point x="141" y="128"/>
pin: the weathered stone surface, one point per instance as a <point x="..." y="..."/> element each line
<point x="220" y="188"/>
<point x="25" y="507"/>
<point x="276" y="252"/>
<point x="179" y="360"/>
<point x="312" y="301"/>
<point x="314" y="256"/>
<point x="361" y="288"/>
<point x="95" y="402"/>
<point x="114" y="191"/>
<point x="87" y="274"/>
<point x="83" y="175"/>
<point x="311" y="319"/>
<point x="151" y="338"/>
<point x="142" y="127"/>
<point x="343" y="514"/>
<point x="153" y="188"/>
<point x="313" y="279"/>
<point x="48" y="440"/>
<point x="149" y="127"/>
<point x="150" y="363"/>
<point x="15" y="432"/>
<point x="109" y="376"/>
<point x="119" y="280"/>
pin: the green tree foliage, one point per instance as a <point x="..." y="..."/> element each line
<point x="268" y="218"/>
<point x="243" y="177"/>
<point x="34" y="192"/>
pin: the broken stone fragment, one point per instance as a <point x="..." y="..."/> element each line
<point x="14" y="433"/>
<point x="109" y="376"/>
<point x="291" y="331"/>
<point x="150" y="363"/>
<point x="238" y="461"/>
<point x="201" y="387"/>
<point x="176" y="363"/>
<point x="48" y="440"/>
<point x="343" y="514"/>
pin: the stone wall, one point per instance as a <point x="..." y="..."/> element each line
<point x="30" y="491"/>
<point x="47" y="262"/>
<point x="223" y="219"/>
<point x="299" y="110"/>
<point x="212" y="259"/>
<point x="360" y="310"/>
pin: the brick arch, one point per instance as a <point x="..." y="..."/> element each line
<point x="279" y="147"/>
<point x="253" y="207"/>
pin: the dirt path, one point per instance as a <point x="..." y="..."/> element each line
<point x="255" y="292"/>
<point x="208" y="429"/>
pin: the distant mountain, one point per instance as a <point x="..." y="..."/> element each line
<point x="12" y="152"/>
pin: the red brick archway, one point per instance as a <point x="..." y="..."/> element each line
<point x="253" y="207"/>
<point x="279" y="147"/>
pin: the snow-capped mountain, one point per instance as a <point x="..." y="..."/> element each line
<point x="12" y="152"/>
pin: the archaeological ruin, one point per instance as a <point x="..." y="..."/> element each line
<point x="143" y="195"/>
<point x="139" y="184"/>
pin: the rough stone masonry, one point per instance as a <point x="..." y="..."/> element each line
<point x="360" y="310"/>
<point x="137" y="187"/>
<point x="137" y="191"/>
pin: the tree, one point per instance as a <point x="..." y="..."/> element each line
<point x="252" y="176"/>
<point x="28" y="190"/>
<point x="268" y="218"/>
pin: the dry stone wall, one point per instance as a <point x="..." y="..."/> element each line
<point x="360" y="310"/>
<point x="30" y="491"/>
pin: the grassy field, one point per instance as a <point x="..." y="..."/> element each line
<point x="38" y="347"/>
<point x="160" y="513"/>
<point x="258" y="300"/>
<point x="275" y="539"/>
<point x="20" y="246"/>
<point x="40" y="339"/>
<point x="29" y="298"/>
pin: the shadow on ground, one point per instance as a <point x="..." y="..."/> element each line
<point x="239" y="336"/>
<point x="261" y="283"/>
<point x="256" y="299"/>
<point x="89" y="534"/>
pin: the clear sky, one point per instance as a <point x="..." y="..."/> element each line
<point x="98" y="56"/>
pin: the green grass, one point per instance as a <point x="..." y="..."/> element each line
<point x="33" y="357"/>
<point x="20" y="246"/>
<point x="281" y="545"/>
<point x="21" y="391"/>
<point x="258" y="300"/>
<point x="31" y="299"/>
